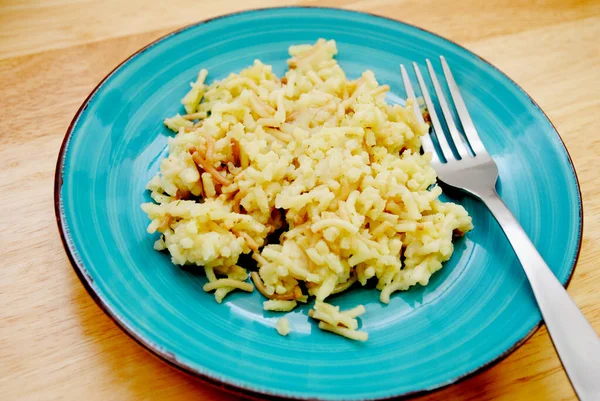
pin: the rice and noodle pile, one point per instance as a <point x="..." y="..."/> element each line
<point x="319" y="159"/>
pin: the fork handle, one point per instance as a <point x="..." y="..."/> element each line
<point x="574" y="338"/>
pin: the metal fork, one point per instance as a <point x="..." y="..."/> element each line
<point x="475" y="172"/>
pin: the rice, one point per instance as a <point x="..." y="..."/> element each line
<point x="283" y="326"/>
<point x="339" y="322"/>
<point x="323" y="159"/>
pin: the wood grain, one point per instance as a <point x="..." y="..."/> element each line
<point x="56" y="344"/>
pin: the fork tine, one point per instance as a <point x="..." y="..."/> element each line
<point x="461" y="109"/>
<point x="410" y="94"/>
<point x="458" y="141"/>
<point x="437" y="127"/>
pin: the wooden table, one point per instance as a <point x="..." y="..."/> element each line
<point x="55" y="343"/>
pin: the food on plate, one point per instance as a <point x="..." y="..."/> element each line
<point x="283" y="326"/>
<point x="339" y="322"/>
<point x="314" y="175"/>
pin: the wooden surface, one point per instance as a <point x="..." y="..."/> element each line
<point x="56" y="343"/>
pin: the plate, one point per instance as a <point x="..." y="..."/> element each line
<point x="476" y="310"/>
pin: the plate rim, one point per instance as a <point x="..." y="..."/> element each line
<point x="230" y="386"/>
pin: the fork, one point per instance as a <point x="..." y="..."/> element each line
<point x="476" y="173"/>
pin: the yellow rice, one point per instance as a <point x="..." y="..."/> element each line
<point x="322" y="156"/>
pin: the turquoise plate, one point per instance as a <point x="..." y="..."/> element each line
<point x="476" y="310"/>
